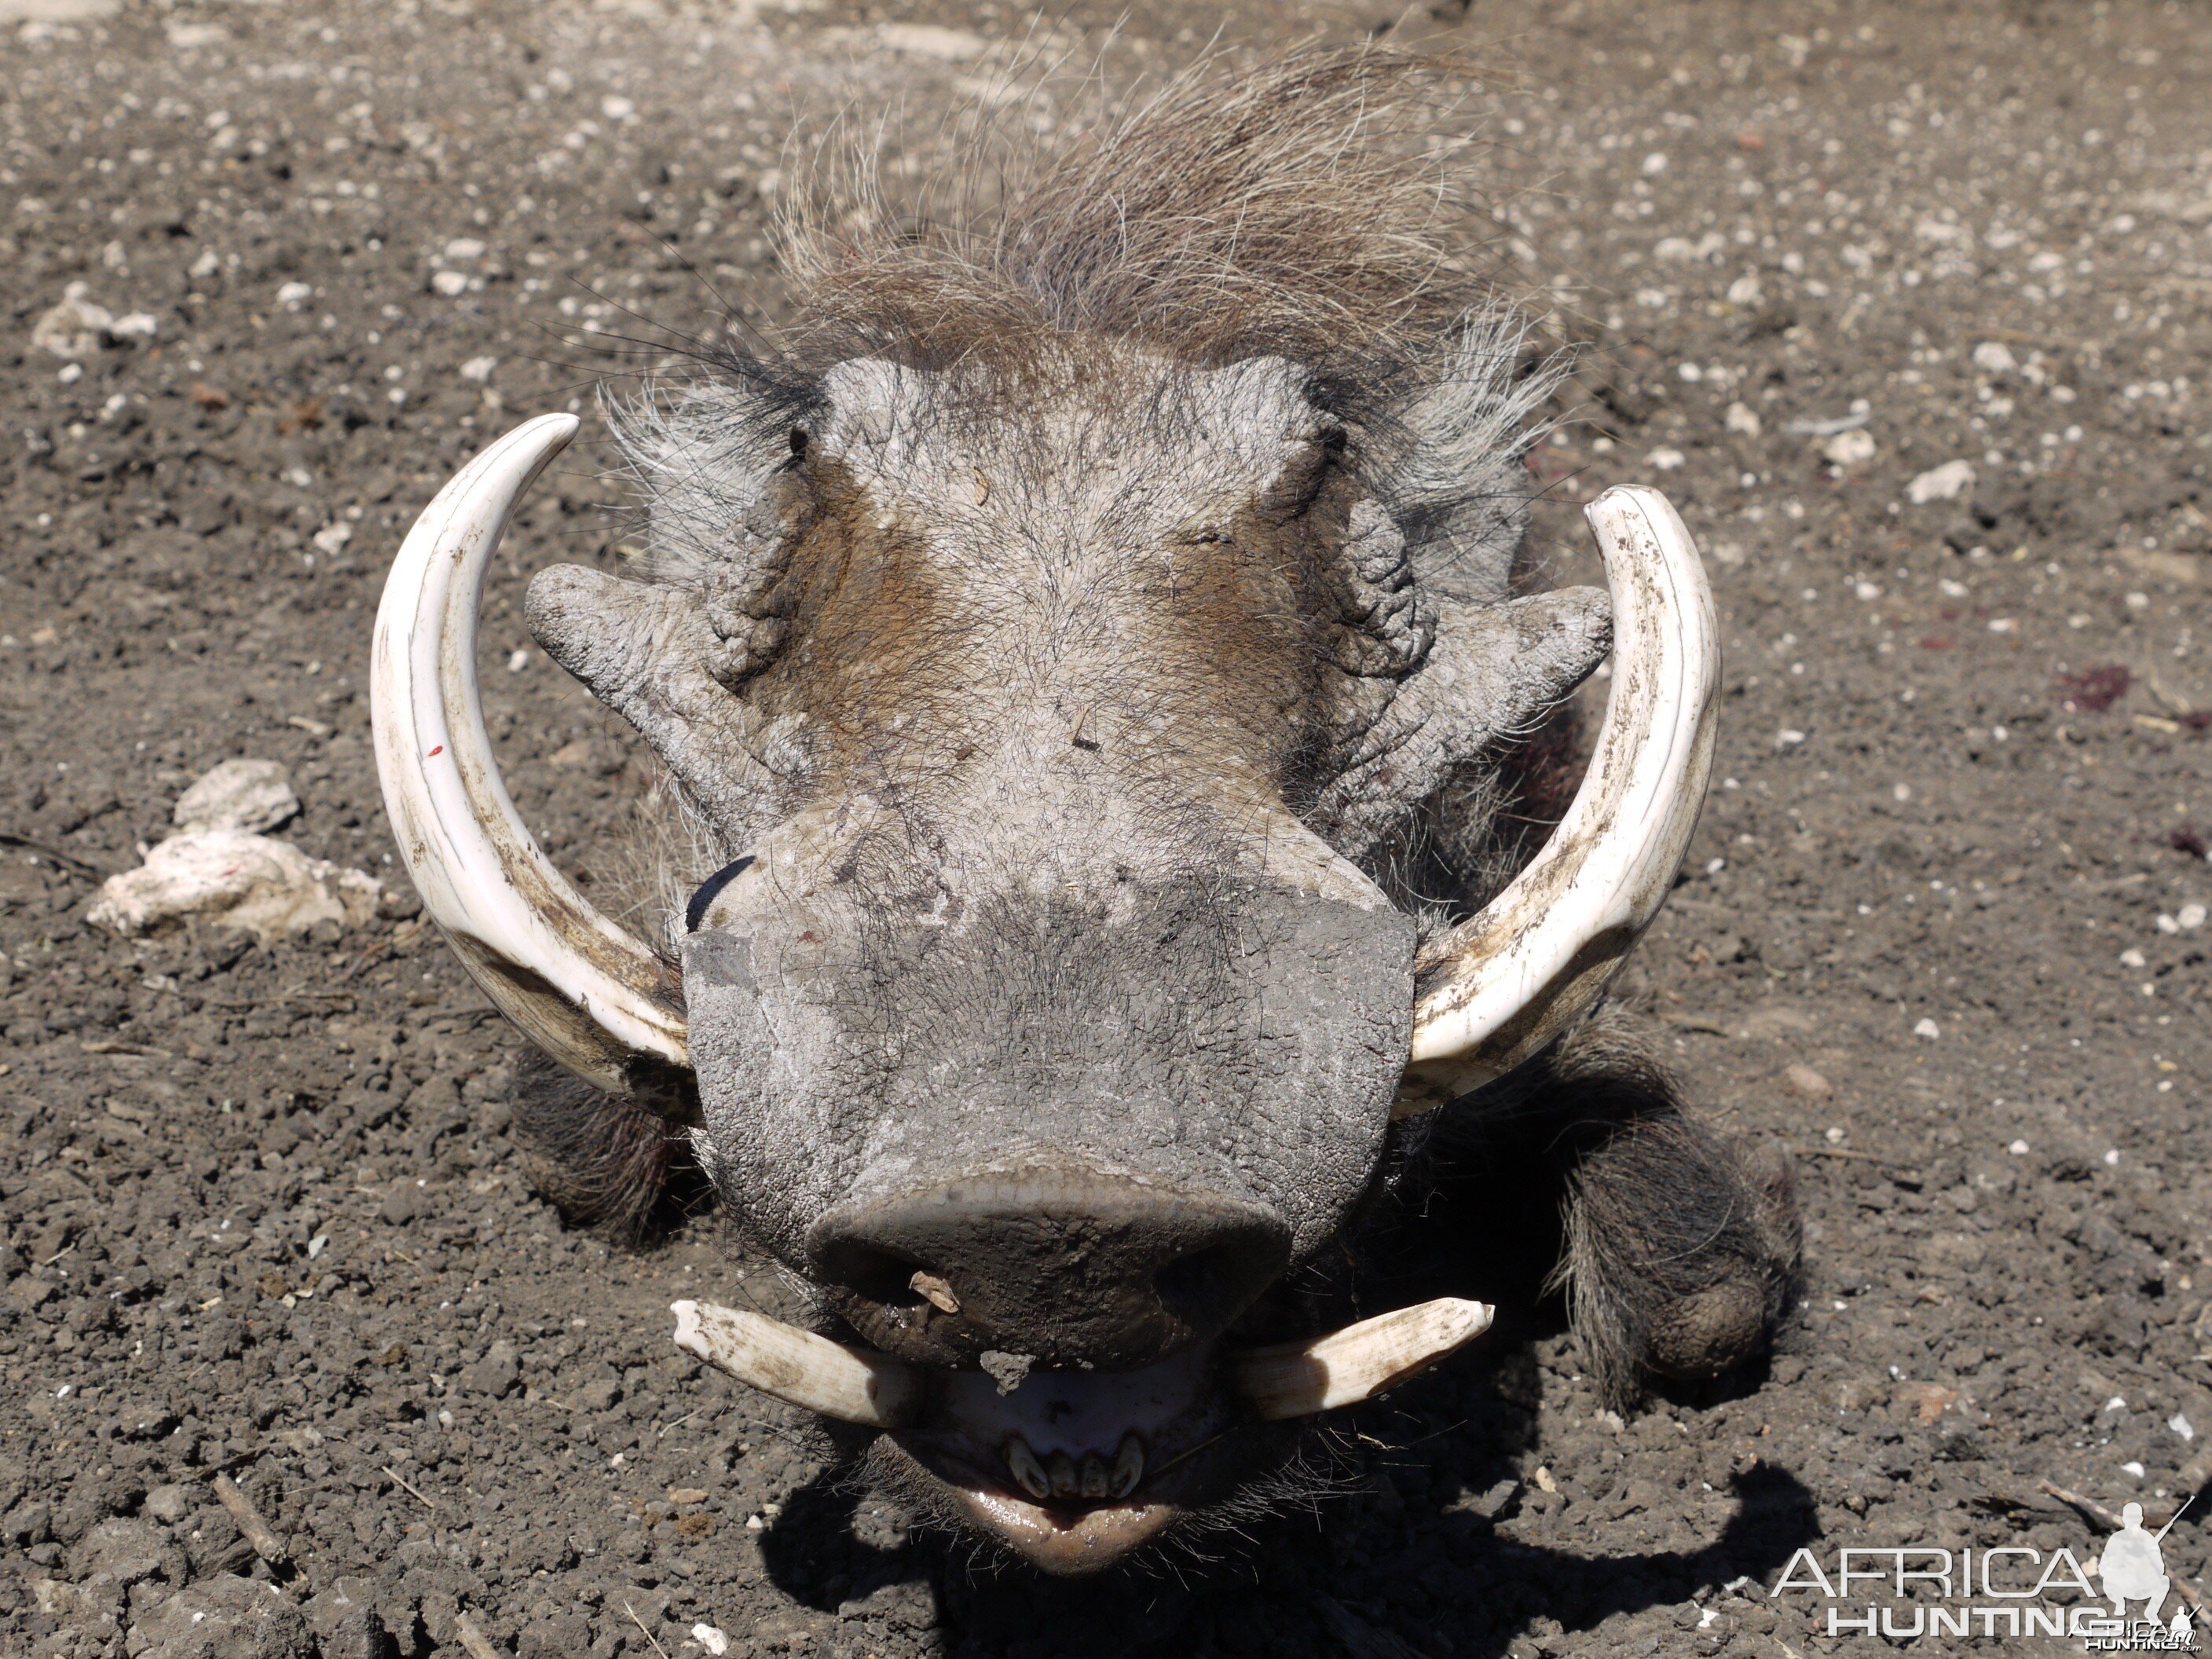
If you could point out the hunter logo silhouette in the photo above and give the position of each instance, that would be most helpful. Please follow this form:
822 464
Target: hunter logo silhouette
2134 1567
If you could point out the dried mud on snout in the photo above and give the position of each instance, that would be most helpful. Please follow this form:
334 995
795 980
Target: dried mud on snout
1943 931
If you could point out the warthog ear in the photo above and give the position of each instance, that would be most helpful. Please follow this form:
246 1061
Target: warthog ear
1449 663
648 651
720 471
1457 485
1492 674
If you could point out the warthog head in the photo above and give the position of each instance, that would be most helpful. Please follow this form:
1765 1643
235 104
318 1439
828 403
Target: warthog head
1062 649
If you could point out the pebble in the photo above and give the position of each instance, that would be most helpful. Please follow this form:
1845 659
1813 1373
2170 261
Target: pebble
75 327
1849 448
1805 1083
1941 483
1928 1027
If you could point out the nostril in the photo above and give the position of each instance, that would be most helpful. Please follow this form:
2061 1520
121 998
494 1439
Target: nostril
1191 1285
1069 1266
884 1277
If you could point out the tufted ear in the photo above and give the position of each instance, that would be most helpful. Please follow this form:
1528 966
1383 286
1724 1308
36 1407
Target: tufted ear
1457 487
668 648
1492 674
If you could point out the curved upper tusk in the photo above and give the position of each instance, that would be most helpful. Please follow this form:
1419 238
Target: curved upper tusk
1507 980
588 992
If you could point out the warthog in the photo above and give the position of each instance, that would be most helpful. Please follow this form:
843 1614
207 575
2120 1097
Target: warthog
1096 652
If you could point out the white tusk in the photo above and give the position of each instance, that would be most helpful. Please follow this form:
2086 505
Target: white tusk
1507 980
850 1384
1358 1361
588 992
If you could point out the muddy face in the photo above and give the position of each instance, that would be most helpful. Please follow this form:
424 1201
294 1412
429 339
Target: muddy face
1043 1039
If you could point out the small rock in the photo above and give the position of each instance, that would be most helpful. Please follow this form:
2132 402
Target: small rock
251 795
931 40
223 1617
1850 448
603 1394
1492 1503
495 1374
1995 357
254 882
75 328
402 1204
1928 1400
344 1616
1941 483
1743 417
171 1503
1805 1083
122 1550
712 1639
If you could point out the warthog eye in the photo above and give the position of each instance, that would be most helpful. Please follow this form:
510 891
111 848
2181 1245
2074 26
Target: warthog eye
696 912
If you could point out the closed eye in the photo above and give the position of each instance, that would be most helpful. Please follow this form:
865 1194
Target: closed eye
710 889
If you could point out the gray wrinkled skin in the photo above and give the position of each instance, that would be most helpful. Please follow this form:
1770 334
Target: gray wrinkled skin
1056 727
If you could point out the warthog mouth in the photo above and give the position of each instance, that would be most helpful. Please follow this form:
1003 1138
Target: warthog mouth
1073 1470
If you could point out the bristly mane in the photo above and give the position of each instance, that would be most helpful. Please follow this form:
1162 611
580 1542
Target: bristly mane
1296 211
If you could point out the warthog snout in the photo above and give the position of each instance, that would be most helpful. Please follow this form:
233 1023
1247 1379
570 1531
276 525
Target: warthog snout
1063 1263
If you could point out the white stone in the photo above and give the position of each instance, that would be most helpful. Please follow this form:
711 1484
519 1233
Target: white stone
1941 483
470 247
1743 417
1664 460
478 369
2191 917
710 1639
1928 1027
333 536
74 328
931 40
248 881
450 282
57 11
293 296
239 794
1850 448
1995 357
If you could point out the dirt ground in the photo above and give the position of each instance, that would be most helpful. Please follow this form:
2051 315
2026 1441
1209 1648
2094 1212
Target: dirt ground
263 1219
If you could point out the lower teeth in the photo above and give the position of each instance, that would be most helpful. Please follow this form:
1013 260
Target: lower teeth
1063 1476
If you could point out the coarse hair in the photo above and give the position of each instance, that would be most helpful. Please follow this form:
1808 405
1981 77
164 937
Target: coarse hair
1302 209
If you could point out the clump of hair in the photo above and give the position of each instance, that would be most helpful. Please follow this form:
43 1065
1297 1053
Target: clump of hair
613 1166
1296 210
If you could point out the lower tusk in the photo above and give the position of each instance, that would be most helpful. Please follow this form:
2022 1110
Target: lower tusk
796 1366
1358 1361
